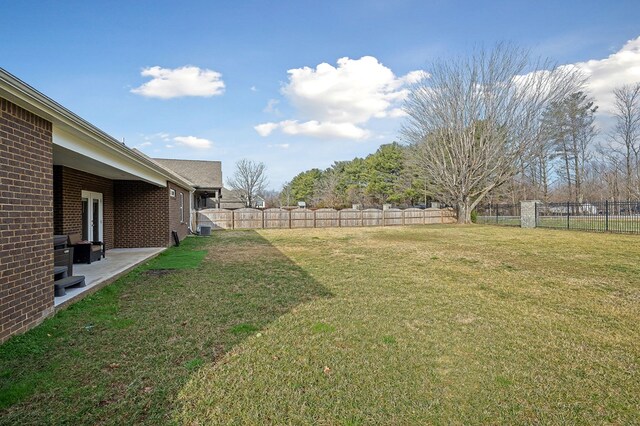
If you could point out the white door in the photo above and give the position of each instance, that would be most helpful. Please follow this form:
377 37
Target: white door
91 216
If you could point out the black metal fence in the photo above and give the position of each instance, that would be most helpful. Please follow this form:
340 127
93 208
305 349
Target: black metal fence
604 216
498 214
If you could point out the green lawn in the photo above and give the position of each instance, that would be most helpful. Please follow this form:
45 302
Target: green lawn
397 325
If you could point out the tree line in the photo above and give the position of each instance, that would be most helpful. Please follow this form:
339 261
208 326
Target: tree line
496 126
576 161
380 178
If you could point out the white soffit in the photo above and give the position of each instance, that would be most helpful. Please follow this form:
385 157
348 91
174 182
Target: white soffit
78 153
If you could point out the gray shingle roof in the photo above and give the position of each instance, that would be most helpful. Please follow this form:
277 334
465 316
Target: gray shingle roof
231 200
203 174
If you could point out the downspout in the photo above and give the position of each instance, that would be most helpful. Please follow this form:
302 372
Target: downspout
192 195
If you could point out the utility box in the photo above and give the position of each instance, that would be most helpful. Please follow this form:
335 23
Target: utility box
205 230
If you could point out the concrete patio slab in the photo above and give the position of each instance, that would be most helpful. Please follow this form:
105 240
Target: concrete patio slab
98 274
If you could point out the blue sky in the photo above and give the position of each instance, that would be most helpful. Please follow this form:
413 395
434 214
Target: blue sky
217 86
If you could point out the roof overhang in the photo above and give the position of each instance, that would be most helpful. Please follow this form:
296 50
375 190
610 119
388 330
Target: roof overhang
79 144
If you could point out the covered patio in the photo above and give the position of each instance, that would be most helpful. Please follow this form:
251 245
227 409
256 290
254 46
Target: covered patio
98 274
61 175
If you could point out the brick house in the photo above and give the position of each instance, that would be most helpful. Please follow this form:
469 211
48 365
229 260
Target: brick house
209 191
205 176
60 174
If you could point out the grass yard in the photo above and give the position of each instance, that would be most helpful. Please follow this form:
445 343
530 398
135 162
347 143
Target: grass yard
407 325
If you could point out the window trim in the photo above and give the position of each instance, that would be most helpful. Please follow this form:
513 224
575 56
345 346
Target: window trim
182 207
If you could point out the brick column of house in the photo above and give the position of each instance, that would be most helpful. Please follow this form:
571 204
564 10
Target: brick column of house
26 219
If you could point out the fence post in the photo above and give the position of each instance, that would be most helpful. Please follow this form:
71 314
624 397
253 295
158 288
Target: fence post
424 216
568 213
528 213
497 209
383 221
403 212
362 218
314 218
264 225
233 219
606 215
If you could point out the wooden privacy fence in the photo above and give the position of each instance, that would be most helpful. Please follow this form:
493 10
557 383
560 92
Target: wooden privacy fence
321 218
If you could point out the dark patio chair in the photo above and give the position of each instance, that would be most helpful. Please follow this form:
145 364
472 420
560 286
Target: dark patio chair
86 251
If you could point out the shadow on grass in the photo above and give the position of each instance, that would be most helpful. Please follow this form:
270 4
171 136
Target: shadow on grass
121 355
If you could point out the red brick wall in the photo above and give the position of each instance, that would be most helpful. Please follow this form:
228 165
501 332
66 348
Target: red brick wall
145 214
141 216
175 223
68 185
26 220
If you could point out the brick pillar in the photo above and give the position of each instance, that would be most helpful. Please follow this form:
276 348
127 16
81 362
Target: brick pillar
528 213
26 219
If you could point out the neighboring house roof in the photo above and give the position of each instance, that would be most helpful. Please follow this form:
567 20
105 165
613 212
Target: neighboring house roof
203 174
231 200
165 168
86 139
230 194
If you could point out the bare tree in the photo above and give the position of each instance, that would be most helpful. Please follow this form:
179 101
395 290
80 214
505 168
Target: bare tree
248 180
285 194
326 192
271 199
541 168
569 128
555 137
474 121
626 134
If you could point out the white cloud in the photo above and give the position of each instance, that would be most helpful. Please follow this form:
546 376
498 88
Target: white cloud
265 129
192 142
415 76
151 139
337 102
326 129
156 136
169 83
621 67
253 88
272 106
397 112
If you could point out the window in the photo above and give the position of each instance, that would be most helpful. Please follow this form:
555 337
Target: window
181 206
172 193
